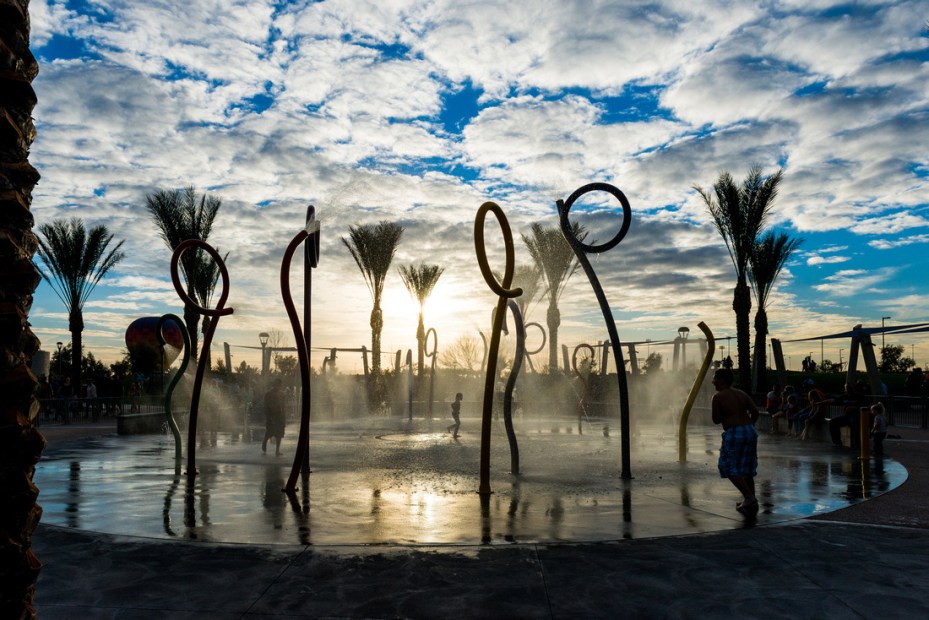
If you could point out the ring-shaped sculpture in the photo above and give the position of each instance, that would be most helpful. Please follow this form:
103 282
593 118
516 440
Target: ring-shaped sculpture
504 292
511 384
310 235
581 403
169 414
218 311
581 250
529 353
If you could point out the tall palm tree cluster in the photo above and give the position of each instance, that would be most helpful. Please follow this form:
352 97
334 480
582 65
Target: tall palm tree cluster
419 281
20 442
555 262
739 213
76 261
373 247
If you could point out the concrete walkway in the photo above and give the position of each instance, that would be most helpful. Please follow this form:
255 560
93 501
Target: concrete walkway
866 561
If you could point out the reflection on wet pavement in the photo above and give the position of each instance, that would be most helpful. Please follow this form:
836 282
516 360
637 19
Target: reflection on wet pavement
382 481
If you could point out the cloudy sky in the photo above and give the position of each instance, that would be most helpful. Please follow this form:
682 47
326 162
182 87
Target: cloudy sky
418 112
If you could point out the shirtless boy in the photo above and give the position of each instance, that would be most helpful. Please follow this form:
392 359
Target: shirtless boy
738 454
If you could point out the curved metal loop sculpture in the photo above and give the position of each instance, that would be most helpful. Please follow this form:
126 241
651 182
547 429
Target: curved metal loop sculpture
504 292
218 311
310 235
581 250
511 384
169 414
529 353
582 401
435 349
694 390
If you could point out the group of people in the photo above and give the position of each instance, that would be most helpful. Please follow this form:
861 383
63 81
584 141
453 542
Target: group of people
737 413
801 412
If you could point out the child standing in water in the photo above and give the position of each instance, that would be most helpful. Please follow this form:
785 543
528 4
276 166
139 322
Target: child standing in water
879 429
456 413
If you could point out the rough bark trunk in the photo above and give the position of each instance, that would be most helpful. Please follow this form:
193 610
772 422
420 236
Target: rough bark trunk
760 376
20 443
553 319
742 305
76 327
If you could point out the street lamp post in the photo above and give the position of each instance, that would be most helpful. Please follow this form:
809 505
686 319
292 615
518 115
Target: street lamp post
883 318
59 359
682 333
840 359
263 338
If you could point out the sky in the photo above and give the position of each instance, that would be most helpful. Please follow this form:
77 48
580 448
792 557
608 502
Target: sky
418 112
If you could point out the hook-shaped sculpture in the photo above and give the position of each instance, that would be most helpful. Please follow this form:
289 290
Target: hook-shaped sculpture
218 311
169 414
310 235
581 250
581 403
694 390
503 291
511 384
435 348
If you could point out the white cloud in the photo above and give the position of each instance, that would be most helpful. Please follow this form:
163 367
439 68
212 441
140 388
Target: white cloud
339 104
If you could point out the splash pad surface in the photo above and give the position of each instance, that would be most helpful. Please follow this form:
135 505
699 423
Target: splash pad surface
383 480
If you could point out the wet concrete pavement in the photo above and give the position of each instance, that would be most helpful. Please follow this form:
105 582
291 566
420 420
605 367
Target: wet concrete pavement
665 545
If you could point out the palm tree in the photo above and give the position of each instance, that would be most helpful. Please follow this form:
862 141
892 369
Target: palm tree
528 278
206 280
739 214
767 259
21 443
373 247
180 216
76 261
555 260
419 281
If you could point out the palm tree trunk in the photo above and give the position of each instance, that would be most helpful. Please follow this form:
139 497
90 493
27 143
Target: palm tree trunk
553 318
760 377
192 319
21 443
377 324
76 327
421 345
742 305
204 327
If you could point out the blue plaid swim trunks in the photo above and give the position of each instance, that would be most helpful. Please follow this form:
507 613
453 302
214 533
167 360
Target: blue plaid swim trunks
738 454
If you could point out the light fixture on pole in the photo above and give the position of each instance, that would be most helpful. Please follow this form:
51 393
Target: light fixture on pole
263 338
59 358
840 359
883 318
